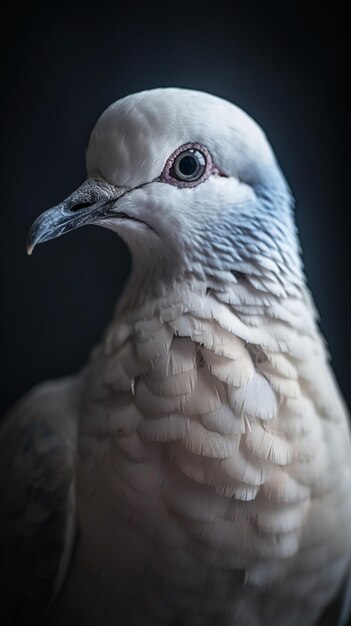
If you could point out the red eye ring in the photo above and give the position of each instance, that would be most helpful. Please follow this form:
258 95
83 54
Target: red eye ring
178 171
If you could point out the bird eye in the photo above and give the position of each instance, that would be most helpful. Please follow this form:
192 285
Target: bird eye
188 165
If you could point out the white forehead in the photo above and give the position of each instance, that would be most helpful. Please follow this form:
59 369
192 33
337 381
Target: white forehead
134 137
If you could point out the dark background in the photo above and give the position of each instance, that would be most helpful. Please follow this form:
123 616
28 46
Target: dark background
281 62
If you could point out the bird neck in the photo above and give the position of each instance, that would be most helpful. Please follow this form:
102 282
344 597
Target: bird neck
190 364
266 323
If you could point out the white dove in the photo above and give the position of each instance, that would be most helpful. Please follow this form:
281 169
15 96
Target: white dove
198 470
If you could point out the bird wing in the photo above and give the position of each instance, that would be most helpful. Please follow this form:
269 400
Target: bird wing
345 610
338 612
37 504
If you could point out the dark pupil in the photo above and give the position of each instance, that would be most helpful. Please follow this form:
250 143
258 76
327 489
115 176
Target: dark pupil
187 165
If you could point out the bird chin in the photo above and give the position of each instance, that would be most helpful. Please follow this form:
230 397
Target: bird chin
122 223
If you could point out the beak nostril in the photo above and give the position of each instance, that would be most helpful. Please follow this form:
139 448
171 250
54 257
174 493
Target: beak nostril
89 204
79 206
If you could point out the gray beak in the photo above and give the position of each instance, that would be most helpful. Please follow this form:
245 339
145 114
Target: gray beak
90 203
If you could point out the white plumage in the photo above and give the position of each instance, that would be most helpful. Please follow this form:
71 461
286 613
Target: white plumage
204 452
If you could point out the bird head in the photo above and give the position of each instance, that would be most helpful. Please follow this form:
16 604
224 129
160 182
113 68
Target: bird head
190 182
